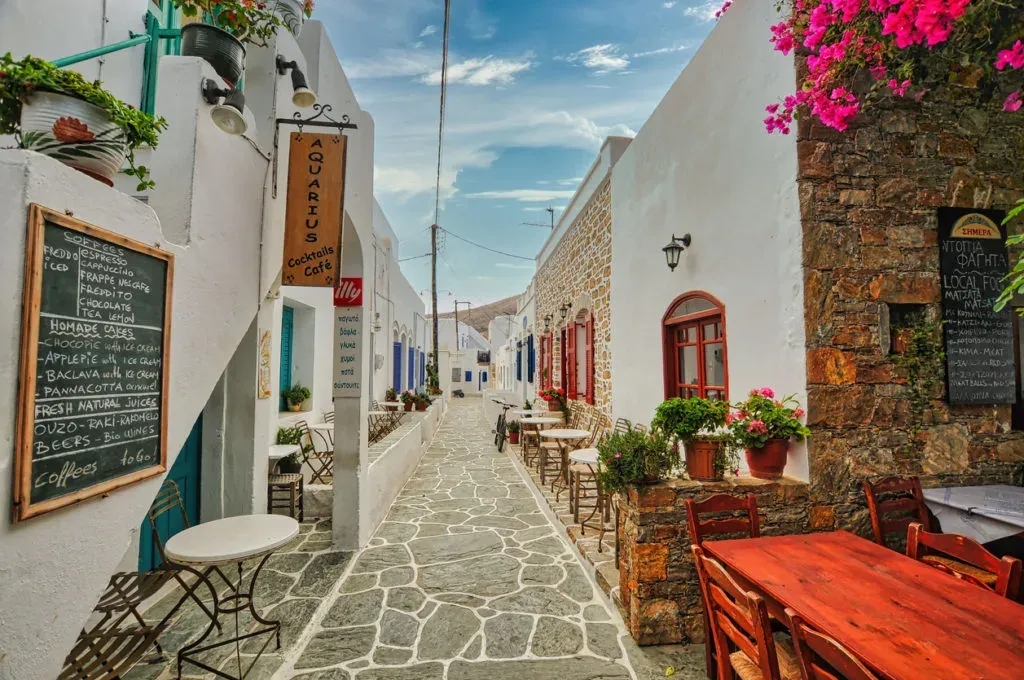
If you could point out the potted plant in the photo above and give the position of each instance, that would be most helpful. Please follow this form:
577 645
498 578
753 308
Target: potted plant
292 463
513 431
295 396
391 394
60 114
527 405
764 425
408 399
422 402
633 458
293 13
219 29
699 424
555 399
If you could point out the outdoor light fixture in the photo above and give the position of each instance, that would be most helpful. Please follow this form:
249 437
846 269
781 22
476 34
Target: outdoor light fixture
674 249
564 309
229 114
547 323
376 322
302 96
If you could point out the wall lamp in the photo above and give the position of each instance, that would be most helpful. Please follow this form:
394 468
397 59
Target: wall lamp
674 249
547 323
564 309
228 111
376 323
302 96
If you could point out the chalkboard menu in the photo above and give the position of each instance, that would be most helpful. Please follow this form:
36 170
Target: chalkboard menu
979 341
92 408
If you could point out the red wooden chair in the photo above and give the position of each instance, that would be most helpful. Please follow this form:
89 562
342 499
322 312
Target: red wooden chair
821 657
965 559
748 524
895 502
740 619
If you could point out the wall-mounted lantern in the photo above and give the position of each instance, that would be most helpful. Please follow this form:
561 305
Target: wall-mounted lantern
674 249
376 322
565 309
547 323
228 112
302 96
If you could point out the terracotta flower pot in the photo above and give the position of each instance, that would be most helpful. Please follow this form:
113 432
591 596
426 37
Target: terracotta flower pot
408 406
223 51
553 405
420 406
769 461
700 460
74 132
293 407
513 437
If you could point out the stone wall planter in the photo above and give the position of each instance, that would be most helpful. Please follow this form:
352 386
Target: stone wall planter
223 51
75 133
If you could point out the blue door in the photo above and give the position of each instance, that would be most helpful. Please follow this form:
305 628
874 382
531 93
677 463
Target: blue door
397 369
423 369
412 368
287 332
184 473
482 380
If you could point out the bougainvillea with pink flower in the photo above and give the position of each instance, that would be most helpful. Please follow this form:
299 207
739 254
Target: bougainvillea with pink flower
860 50
762 417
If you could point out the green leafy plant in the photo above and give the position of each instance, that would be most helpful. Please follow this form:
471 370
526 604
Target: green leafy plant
297 394
762 417
558 396
528 405
433 382
631 458
424 399
686 419
292 436
391 394
1016 275
924 365
248 20
408 397
514 427
20 78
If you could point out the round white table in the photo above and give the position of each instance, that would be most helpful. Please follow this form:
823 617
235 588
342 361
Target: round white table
533 412
541 421
392 404
535 423
585 456
279 451
590 458
563 436
231 540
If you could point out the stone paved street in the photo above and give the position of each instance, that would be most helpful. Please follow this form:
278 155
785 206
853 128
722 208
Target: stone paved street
467 579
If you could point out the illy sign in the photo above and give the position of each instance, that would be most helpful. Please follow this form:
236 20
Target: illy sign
349 293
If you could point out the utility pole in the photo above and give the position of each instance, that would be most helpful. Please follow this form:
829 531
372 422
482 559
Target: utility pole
552 211
433 290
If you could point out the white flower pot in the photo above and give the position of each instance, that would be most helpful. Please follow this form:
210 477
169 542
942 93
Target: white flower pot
291 14
74 132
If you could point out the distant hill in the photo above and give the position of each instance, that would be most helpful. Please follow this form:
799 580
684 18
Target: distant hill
480 317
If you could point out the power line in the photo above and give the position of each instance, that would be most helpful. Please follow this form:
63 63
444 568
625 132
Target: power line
499 252
415 257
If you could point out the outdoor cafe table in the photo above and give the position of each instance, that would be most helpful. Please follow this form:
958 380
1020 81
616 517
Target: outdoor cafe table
903 618
540 413
536 423
320 429
279 451
984 513
563 436
231 540
392 404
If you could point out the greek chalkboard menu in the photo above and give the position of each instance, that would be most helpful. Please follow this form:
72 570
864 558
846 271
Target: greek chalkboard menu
95 335
979 341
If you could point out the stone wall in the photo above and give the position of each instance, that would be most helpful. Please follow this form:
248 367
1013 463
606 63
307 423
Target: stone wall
579 271
868 204
658 590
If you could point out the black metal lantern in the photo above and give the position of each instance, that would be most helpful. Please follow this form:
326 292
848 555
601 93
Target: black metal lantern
674 249
547 323
564 309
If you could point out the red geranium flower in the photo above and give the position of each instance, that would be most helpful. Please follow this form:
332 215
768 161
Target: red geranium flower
561 392
547 397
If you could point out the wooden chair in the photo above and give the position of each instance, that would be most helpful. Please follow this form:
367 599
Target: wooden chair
965 559
895 502
717 525
286 492
321 462
821 657
640 427
741 629
583 484
622 426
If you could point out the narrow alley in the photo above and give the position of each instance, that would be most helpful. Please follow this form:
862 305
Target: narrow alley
466 579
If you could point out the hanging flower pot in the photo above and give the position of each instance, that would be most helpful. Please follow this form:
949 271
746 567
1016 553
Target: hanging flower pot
700 460
293 13
74 132
769 461
223 51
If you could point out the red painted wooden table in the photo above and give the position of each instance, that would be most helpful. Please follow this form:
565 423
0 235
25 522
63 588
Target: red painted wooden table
903 618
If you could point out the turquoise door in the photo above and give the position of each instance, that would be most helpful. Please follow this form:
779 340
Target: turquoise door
184 473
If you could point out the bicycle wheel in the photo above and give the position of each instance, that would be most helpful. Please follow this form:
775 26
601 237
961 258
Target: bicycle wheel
501 433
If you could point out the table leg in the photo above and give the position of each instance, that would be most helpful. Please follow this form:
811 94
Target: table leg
232 604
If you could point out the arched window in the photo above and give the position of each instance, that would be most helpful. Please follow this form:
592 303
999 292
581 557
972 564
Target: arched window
695 359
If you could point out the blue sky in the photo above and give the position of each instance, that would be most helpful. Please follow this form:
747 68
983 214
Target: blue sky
534 88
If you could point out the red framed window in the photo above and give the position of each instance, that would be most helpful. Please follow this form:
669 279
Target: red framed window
695 359
578 358
547 361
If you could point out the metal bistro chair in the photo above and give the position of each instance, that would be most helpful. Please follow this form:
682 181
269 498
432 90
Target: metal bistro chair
321 462
583 478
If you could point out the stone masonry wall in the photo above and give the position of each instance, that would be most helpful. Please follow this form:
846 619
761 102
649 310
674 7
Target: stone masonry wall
658 589
868 202
580 269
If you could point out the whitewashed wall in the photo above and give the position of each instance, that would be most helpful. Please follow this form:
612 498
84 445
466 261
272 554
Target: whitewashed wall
703 164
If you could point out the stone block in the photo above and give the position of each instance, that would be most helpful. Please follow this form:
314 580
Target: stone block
830 366
822 517
650 561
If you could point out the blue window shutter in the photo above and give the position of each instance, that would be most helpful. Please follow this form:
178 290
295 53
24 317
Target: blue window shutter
519 361
397 370
531 359
469 376
412 368
423 369
287 332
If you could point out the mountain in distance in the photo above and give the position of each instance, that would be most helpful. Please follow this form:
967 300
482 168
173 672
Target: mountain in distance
480 317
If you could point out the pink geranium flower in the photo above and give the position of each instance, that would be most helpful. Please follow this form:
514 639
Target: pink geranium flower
757 427
799 413
767 392
1013 102
1013 57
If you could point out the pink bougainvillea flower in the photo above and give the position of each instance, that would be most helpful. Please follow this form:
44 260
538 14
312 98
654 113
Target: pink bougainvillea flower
899 89
1013 57
767 392
725 8
618 455
1013 102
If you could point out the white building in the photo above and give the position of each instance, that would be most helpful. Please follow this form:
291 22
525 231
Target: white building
470 357
516 358
218 210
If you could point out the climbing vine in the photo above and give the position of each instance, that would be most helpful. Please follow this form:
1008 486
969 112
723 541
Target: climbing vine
923 363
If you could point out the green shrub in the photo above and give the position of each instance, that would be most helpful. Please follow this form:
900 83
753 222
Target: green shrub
632 458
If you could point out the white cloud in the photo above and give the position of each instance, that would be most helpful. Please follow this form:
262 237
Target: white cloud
525 195
573 128
515 265
704 12
479 72
663 50
669 5
408 182
604 58
429 30
393 63
571 182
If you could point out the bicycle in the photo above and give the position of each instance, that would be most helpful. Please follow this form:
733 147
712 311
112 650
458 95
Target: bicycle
500 430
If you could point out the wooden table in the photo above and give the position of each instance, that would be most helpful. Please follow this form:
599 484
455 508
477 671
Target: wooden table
904 619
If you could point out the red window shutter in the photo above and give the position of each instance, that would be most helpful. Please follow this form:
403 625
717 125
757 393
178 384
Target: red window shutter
563 381
571 389
590 358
